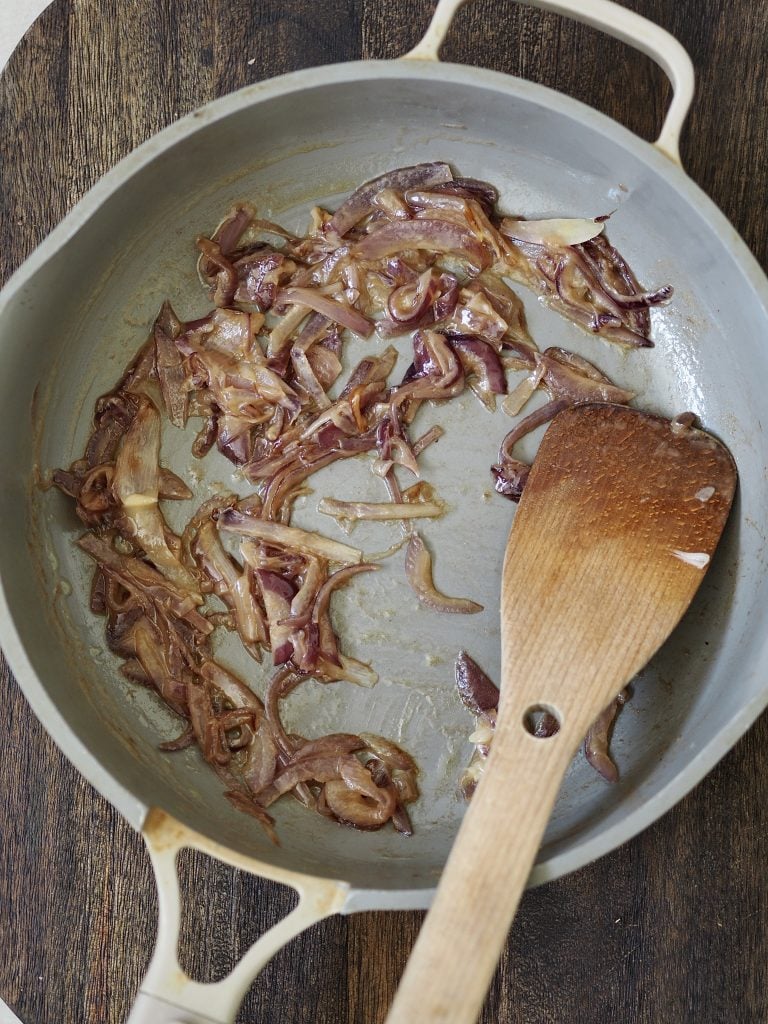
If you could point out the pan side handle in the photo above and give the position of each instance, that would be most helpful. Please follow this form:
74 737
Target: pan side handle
631 28
167 994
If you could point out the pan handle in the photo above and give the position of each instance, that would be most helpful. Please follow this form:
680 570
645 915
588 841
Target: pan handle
168 995
617 21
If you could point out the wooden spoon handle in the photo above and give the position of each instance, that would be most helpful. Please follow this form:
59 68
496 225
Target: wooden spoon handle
451 966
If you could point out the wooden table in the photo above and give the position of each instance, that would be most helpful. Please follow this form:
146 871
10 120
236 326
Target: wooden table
671 928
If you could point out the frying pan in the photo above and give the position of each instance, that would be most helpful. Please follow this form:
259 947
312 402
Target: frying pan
126 247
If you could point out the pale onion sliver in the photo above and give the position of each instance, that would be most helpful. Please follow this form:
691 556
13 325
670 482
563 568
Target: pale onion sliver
379 510
291 537
418 571
559 231
517 399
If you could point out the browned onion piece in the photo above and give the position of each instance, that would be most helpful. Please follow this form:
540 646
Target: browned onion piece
260 273
438 372
418 569
485 194
554 233
390 203
172 487
570 377
233 584
140 578
154 657
114 414
209 510
290 537
430 235
510 474
277 594
223 278
356 800
479 358
170 366
393 757
249 805
510 477
318 768
258 755
591 284
333 743
338 312
136 487
314 329
415 248
360 203
596 744
229 231
183 741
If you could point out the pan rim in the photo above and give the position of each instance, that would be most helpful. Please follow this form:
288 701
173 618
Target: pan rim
46 710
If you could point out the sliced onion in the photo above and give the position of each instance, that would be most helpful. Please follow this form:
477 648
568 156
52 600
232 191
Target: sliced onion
517 399
170 366
429 235
136 486
391 203
482 192
171 487
338 312
479 358
571 377
510 477
418 569
555 232
596 744
138 577
394 757
284 328
350 670
290 537
477 691
360 203
354 511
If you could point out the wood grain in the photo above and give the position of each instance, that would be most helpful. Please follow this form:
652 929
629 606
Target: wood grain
673 927
589 530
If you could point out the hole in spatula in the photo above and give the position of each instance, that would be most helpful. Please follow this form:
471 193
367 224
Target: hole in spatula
541 721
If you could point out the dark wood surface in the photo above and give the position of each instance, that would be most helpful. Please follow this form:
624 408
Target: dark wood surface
673 927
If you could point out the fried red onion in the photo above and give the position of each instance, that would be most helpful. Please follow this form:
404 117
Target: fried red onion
435 236
170 366
481 696
418 570
482 192
360 203
427 300
591 284
597 742
136 485
291 537
234 585
553 233
479 359
338 312
477 691
354 511
414 248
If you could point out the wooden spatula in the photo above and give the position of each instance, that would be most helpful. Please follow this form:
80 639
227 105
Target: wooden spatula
616 527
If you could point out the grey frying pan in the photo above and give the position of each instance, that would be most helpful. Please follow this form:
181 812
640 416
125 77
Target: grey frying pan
329 129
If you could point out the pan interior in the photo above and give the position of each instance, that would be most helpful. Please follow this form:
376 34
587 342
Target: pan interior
70 330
